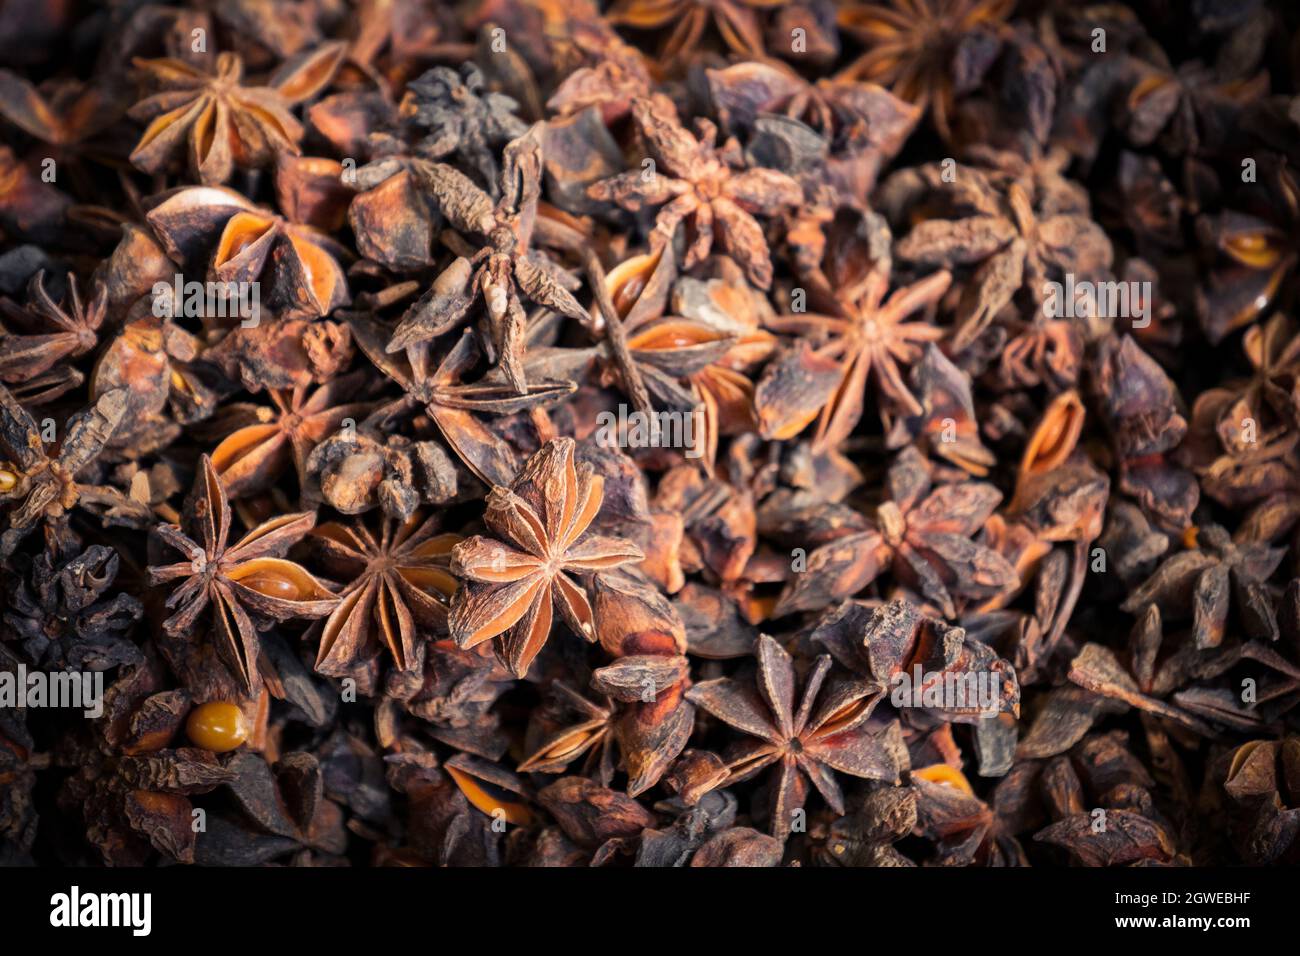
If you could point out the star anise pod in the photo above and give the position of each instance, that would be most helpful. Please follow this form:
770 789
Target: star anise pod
823 730
252 457
1202 583
129 786
1042 351
465 120
63 610
455 693
513 582
923 534
139 803
218 121
1244 434
302 263
648 677
1133 680
1273 389
1135 830
399 586
251 575
691 365
864 125
865 836
1143 410
713 363
44 335
619 75
500 272
869 338
883 643
841 110
454 405
156 364
1017 219
395 38
1190 108
454 806
63 114
282 808
948 426
735 21
36 484
1263 780
705 185
1256 250
927 52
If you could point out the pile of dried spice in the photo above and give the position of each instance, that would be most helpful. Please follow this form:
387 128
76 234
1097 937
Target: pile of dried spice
656 433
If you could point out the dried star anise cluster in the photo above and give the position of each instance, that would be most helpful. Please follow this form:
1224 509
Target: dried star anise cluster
688 433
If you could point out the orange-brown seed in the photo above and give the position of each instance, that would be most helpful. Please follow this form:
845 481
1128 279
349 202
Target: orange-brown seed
217 726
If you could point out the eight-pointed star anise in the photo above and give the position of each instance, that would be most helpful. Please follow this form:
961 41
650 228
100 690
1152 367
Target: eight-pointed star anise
250 575
867 333
36 343
926 51
506 267
924 535
1017 219
1202 582
705 185
511 585
252 457
824 730
399 587
219 122
454 405
736 21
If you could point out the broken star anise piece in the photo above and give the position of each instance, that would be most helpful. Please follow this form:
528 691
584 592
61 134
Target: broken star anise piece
592 734
735 21
926 52
40 485
250 575
302 263
511 585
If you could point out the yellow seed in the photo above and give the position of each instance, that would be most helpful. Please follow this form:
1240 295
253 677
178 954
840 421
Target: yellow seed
217 726
8 480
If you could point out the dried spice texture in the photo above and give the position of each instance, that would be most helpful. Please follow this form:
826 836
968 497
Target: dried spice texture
666 433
